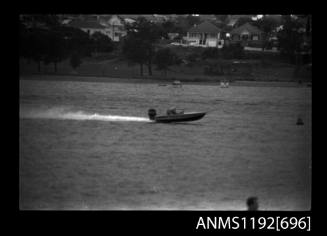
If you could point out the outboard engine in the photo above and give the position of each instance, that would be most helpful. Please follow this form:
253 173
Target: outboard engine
152 113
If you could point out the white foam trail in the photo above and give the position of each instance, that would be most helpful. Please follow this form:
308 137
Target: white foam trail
80 115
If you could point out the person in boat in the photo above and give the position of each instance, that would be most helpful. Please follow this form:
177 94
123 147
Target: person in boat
173 111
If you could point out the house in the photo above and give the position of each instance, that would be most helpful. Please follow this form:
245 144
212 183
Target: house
246 33
112 26
205 34
115 26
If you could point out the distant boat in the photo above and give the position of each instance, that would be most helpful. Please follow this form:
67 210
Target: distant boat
177 83
224 84
179 117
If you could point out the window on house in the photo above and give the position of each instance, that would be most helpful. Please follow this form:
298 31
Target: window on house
245 36
255 37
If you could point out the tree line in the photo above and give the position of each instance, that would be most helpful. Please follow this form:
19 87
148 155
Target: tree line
44 39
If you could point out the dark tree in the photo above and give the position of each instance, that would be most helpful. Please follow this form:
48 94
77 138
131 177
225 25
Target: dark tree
75 60
134 50
101 42
222 18
57 50
77 41
33 44
290 37
24 41
167 27
44 39
243 20
164 58
183 24
33 30
139 44
267 25
40 20
192 20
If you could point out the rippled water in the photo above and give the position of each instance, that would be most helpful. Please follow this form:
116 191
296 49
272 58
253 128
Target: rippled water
91 146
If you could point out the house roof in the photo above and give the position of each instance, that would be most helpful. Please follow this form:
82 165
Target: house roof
105 17
232 22
205 27
120 17
86 24
247 26
134 17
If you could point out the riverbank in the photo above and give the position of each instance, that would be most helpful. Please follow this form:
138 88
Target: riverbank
119 70
159 81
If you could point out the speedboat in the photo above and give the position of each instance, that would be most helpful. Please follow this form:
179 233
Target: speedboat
178 117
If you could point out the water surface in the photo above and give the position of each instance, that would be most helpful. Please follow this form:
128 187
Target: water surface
90 145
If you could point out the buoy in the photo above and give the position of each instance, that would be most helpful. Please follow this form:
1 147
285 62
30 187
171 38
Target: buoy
299 122
252 203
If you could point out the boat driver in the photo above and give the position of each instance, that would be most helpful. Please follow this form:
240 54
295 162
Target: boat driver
172 111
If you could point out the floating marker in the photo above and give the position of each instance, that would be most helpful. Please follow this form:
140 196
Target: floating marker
299 122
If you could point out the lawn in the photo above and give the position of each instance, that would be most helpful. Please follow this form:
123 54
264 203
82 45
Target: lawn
262 70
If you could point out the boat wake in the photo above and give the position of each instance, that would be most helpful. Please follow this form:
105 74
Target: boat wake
59 113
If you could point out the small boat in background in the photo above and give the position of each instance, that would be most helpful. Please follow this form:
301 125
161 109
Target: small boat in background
224 84
178 117
177 83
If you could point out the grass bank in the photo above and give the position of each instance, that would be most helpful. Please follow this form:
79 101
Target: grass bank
119 70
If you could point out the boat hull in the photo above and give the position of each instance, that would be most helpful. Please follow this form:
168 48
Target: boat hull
180 117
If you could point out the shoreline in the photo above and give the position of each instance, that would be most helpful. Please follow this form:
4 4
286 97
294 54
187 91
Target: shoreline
159 81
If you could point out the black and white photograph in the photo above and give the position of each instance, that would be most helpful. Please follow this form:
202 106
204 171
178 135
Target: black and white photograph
186 112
